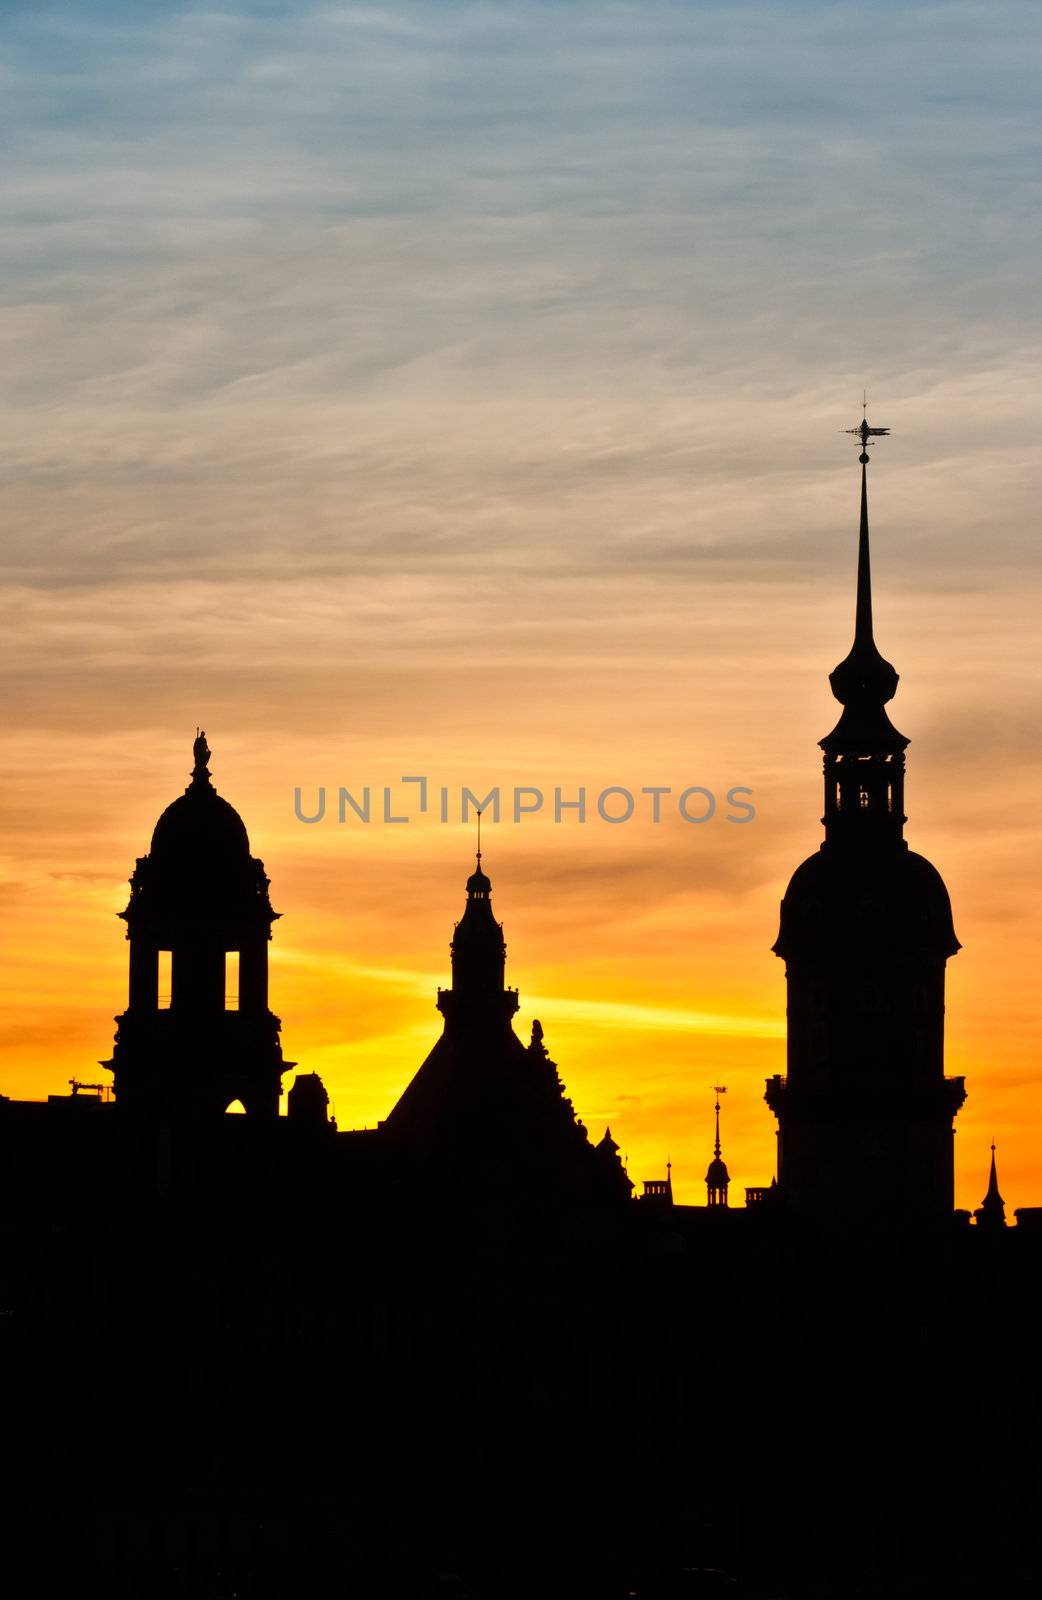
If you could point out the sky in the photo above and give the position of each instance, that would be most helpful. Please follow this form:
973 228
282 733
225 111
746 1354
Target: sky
459 390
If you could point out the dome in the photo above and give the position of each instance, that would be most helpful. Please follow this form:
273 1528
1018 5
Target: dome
199 857
893 898
717 1177
199 826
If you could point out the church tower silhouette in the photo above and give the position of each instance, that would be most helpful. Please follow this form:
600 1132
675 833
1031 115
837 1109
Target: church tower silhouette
487 1112
453 1100
197 1034
865 1114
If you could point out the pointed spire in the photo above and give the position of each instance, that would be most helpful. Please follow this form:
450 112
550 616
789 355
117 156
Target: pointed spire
863 613
864 753
479 885
993 1179
992 1210
717 1178
864 681
718 1090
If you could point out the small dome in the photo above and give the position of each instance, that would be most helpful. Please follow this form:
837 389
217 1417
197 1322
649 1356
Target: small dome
717 1177
863 678
479 882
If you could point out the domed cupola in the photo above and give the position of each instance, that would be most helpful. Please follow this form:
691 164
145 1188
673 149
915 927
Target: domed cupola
197 1033
199 857
479 885
478 952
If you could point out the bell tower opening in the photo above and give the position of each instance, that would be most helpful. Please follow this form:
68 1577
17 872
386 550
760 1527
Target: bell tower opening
164 979
231 980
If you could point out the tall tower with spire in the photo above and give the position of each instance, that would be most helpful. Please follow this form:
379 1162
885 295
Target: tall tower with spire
718 1179
197 1034
865 1113
450 1103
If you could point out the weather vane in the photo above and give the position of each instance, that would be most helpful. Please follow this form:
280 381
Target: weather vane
865 433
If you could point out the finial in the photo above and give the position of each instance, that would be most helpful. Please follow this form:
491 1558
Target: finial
479 837
718 1090
201 753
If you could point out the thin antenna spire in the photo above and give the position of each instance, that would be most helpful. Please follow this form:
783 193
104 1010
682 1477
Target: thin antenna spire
718 1090
863 615
479 837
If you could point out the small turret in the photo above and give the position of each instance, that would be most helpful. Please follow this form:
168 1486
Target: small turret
717 1178
479 954
991 1213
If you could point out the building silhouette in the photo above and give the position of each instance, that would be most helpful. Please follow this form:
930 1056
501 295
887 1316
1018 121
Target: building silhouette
454 1354
486 1114
865 1112
197 1034
991 1212
717 1177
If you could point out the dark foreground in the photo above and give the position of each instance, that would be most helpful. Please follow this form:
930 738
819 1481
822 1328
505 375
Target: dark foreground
245 1400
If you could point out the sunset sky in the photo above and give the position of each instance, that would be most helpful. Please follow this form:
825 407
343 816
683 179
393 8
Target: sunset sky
459 390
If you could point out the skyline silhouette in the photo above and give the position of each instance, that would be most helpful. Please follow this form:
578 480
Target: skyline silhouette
362 1359
199 922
